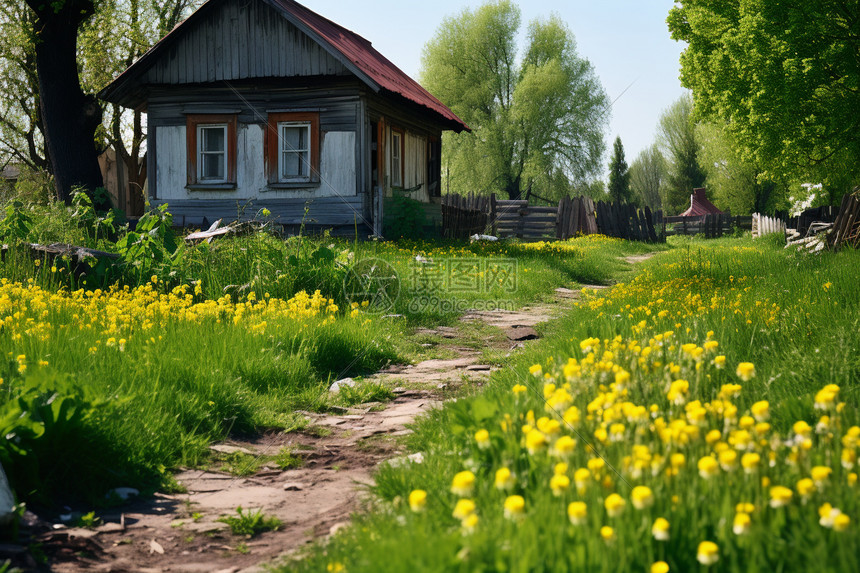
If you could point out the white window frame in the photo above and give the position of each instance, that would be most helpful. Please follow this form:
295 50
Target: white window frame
305 154
201 153
396 159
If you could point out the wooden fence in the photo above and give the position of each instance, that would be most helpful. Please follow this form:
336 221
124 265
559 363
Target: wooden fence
516 218
572 217
711 226
575 217
763 225
846 228
627 222
464 216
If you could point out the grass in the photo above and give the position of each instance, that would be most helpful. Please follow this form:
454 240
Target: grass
712 420
112 378
250 523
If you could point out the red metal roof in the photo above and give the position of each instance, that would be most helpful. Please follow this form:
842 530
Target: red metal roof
699 205
355 52
364 56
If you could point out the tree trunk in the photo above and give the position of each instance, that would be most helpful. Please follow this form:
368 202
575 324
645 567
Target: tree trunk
70 117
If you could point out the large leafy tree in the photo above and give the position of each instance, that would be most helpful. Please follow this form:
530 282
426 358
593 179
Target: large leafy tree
537 116
783 76
115 34
619 174
647 176
69 116
680 145
737 184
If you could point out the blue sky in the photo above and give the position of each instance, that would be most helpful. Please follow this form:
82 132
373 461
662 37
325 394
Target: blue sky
625 40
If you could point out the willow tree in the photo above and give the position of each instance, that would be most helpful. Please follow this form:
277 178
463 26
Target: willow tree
537 115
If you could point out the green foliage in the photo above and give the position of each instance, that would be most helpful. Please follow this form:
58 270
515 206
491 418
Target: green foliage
737 185
537 116
250 522
404 218
47 421
17 223
681 147
364 392
619 175
782 76
152 247
647 177
84 212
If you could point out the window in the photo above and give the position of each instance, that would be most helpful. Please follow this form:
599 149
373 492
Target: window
295 151
396 158
292 148
211 150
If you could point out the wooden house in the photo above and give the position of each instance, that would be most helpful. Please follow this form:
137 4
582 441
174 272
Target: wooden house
256 104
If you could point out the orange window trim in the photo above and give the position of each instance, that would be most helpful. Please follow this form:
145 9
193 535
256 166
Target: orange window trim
192 122
272 147
402 134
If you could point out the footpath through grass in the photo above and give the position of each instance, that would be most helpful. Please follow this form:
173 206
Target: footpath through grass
702 415
115 378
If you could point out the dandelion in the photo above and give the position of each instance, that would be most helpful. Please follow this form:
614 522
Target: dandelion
515 507
761 410
335 567
642 497
614 505
728 460
660 567
504 479
518 389
828 515
564 446
607 534
708 553
470 523
536 370
660 529
780 496
577 512
750 462
418 500
821 475
841 522
746 371
463 484
482 438
720 362
741 524
535 441
825 399
708 467
581 478
464 508
559 484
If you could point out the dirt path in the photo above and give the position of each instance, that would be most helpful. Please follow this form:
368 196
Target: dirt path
339 452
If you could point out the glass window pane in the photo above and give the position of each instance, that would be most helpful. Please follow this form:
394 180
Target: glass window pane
294 138
294 165
213 166
213 138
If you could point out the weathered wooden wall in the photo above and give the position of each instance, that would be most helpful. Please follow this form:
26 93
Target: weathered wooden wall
238 41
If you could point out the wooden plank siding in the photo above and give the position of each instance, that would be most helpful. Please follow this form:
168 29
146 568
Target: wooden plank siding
240 41
322 212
